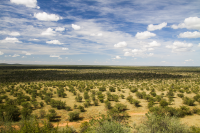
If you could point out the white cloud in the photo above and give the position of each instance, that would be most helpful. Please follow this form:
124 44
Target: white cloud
120 44
153 44
152 27
99 34
26 53
127 50
10 40
118 57
60 29
58 56
189 60
199 45
65 49
187 34
23 56
1 53
54 42
79 60
66 57
27 3
150 49
48 32
144 35
138 51
150 54
189 23
47 17
128 54
180 46
15 55
14 34
76 27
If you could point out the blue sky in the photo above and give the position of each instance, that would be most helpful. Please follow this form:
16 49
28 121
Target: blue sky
100 32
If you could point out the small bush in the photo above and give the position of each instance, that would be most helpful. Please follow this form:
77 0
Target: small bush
108 104
180 95
163 103
82 109
73 116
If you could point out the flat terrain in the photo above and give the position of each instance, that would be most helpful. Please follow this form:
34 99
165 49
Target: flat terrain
115 83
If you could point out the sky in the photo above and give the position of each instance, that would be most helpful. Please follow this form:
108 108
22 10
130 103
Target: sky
100 32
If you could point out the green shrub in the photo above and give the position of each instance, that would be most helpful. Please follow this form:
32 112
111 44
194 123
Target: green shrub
133 90
180 95
103 88
188 101
108 104
82 109
26 113
73 116
112 89
163 103
162 124
79 98
52 114
42 113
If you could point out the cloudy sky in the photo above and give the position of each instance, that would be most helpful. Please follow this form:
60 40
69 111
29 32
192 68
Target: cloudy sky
100 32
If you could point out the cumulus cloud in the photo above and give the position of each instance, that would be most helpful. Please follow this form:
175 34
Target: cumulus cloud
58 56
65 49
10 33
118 57
10 40
189 23
199 45
15 55
127 50
150 49
48 32
76 27
1 53
14 34
150 54
153 44
120 44
144 35
99 34
152 27
189 60
26 53
187 34
27 3
47 17
128 54
60 29
54 42
180 46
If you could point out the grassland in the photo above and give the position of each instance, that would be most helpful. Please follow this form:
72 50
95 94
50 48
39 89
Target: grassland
71 88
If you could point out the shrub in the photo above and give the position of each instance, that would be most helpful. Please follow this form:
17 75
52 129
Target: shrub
42 113
133 90
150 104
108 104
103 88
86 95
163 103
26 113
81 108
180 95
112 89
96 103
188 101
52 114
73 116
79 98
136 103
162 124
122 96
41 104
